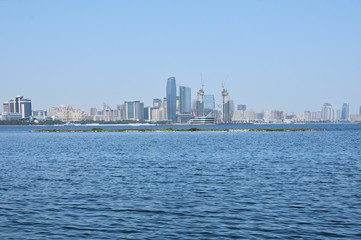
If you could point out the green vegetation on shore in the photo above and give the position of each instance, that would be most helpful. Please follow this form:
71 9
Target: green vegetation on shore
176 130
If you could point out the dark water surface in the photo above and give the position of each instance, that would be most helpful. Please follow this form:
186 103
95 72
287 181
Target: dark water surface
181 185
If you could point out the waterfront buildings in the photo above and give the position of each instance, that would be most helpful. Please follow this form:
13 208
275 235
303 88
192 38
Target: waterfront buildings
175 109
171 94
244 116
19 105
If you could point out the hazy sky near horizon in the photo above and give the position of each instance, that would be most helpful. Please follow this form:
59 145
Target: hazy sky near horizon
285 55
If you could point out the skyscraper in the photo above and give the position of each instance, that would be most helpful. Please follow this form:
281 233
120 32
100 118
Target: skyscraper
200 103
171 99
345 114
185 99
226 106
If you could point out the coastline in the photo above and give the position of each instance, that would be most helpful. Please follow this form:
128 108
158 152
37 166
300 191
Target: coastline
177 130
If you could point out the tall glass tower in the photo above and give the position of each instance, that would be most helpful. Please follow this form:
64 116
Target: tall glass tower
171 99
345 114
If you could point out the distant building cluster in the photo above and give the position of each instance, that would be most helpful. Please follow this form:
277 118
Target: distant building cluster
175 107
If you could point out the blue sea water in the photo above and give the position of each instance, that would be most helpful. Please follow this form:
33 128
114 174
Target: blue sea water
181 185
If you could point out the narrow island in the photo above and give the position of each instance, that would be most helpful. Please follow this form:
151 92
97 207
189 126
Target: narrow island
178 130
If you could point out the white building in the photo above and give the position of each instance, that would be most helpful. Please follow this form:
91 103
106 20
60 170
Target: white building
244 116
66 113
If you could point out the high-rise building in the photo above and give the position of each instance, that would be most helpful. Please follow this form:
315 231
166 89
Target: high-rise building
133 110
200 103
345 114
226 108
185 100
19 105
171 99
360 111
242 107
328 112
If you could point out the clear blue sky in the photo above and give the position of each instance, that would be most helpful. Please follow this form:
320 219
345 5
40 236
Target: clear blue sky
286 55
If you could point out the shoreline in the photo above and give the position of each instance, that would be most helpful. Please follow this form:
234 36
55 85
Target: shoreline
178 130
190 125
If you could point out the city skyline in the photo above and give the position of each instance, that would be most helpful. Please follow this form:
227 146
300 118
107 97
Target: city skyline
175 108
176 95
278 55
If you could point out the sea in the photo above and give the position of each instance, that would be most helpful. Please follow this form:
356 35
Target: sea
181 185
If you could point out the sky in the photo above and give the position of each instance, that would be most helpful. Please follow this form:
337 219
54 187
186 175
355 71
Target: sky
278 55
